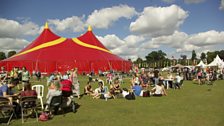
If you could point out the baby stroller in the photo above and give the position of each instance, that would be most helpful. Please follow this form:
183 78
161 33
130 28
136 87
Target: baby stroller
61 103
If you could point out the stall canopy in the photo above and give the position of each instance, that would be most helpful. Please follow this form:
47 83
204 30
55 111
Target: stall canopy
217 62
201 64
50 52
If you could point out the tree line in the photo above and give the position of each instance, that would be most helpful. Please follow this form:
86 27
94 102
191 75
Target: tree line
159 59
4 56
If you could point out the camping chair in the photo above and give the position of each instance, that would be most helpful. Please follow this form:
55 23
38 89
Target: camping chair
40 93
6 110
28 104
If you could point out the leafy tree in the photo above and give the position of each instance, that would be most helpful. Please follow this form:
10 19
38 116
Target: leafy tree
183 59
2 56
203 56
211 56
221 54
194 56
139 60
11 53
155 56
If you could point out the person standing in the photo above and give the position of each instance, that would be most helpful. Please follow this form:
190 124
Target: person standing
156 76
25 77
66 89
75 82
14 75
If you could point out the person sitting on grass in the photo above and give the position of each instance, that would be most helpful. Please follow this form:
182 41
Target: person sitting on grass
136 89
105 95
159 90
117 87
128 94
144 81
88 89
135 79
98 91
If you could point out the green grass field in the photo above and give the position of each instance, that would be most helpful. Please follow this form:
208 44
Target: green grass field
193 105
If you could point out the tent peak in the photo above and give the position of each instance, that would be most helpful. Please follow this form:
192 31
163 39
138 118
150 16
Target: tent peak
46 26
89 28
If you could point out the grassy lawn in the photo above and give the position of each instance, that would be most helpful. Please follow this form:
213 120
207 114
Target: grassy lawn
193 105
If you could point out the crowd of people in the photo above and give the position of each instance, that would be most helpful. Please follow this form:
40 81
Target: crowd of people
207 75
142 84
65 85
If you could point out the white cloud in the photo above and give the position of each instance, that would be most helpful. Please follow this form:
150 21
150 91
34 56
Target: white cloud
207 38
14 29
111 41
132 41
156 21
74 24
150 45
175 40
222 5
193 1
127 48
105 17
12 44
183 42
187 48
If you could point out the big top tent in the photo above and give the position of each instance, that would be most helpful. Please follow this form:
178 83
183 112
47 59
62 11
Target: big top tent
50 52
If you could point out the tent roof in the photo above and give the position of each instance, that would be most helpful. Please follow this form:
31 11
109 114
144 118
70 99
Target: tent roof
51 47
201 64
217 62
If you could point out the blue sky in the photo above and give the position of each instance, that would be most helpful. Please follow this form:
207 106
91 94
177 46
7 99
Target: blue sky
129 28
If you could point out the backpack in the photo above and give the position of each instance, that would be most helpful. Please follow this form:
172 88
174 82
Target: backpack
146 93
130 96
44 116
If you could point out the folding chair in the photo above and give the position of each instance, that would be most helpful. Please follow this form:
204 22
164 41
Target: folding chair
28 106
40 93
6 110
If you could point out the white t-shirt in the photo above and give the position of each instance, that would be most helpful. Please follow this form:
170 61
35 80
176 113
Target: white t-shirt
107 95
124 93
178 79
136 80
159 89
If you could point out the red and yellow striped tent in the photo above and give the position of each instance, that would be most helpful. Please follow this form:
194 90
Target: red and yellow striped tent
50 52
